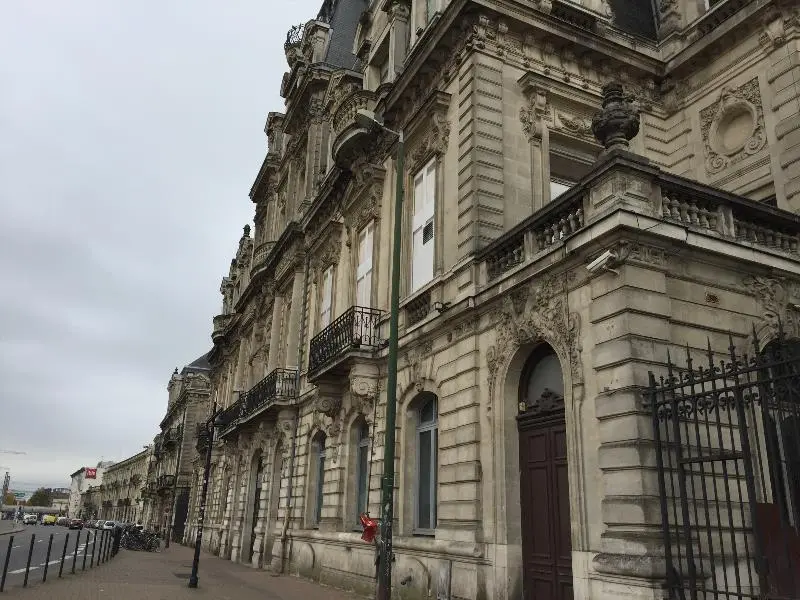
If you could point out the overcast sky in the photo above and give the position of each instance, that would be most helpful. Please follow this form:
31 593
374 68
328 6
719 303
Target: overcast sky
130 133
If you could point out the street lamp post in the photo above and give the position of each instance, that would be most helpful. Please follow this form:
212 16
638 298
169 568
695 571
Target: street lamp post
367 120
210 424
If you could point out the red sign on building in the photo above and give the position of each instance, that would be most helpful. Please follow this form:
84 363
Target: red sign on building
90 473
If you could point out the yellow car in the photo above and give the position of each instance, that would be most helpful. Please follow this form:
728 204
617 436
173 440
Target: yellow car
49 520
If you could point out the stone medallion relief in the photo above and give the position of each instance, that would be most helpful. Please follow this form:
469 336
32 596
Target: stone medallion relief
733 127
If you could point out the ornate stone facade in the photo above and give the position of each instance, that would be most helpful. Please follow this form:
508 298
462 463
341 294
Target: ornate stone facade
548 138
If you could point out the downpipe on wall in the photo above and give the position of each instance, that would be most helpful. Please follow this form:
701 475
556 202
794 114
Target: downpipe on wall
293 453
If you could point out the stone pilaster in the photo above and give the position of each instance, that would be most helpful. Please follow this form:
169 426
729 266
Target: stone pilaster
293 328
275 334
399 15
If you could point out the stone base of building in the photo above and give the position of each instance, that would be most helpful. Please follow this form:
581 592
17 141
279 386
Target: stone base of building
428 568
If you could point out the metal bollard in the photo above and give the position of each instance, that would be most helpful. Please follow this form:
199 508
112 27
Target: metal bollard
5 563
63 555
28 564
75 552
85 551
102 547
94 543
47 560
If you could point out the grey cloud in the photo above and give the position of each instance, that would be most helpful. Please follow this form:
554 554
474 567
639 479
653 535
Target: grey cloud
129 136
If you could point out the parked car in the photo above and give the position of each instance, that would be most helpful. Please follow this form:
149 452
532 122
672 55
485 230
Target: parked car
109 525
75 524
49 520
30 519
62 521
99 524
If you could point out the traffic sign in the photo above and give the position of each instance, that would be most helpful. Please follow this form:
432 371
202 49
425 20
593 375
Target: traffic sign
19 495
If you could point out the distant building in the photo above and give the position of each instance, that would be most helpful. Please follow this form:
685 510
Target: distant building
170 474
119 496
80 481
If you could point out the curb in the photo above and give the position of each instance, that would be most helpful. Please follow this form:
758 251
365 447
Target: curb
12 532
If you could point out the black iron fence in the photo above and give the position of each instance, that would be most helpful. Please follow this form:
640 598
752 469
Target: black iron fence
356 328
727 435
24 559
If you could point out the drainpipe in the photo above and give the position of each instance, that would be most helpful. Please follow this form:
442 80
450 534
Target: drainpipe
293 454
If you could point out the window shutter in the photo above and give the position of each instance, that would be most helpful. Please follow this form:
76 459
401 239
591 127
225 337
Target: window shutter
423 228
326 301
364 270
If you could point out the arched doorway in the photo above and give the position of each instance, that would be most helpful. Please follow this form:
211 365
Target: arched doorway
544 479
274 502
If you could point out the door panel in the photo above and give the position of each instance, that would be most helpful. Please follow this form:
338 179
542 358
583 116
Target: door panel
544 491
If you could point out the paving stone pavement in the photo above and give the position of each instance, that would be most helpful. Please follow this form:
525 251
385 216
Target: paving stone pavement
164 576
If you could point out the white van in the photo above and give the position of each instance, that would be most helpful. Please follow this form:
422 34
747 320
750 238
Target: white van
30 519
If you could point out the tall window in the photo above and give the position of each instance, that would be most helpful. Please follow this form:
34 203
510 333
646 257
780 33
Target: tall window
430 9
364 269
422 226
319 476
362 468
326 298
427 446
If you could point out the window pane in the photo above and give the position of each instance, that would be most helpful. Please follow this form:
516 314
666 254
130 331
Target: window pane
424 487
435 477
427 413
361 496
320 482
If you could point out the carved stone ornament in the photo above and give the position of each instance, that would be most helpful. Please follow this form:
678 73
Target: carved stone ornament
431 136
419 366
534 115
778 298
327 404
733 127
618 122
577 125
532 314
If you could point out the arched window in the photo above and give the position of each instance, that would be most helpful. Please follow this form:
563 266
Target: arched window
361 468
427 450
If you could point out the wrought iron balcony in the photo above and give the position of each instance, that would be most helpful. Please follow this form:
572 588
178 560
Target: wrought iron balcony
166 481
201 435
172 437
280 384
357 328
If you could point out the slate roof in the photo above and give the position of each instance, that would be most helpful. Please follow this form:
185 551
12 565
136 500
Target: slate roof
635 16
198 365
342 16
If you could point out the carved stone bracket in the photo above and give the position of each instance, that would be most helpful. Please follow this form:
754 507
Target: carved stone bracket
430 133
534 115
537 313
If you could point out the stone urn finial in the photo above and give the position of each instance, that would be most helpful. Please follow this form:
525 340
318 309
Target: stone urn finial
618 122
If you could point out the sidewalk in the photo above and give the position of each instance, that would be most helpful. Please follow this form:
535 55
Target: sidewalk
164 576
7 527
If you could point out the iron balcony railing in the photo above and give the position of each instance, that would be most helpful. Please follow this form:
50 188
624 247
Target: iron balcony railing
166 481
279 384
357 327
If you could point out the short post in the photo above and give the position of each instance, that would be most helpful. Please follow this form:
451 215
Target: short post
75 552
63 556
5 563
28 564
94 543
47 560
85 550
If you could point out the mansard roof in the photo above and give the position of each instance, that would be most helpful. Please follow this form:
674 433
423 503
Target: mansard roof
343 16
198 365
635 16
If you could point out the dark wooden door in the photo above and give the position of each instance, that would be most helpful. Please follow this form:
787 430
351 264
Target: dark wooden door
544 496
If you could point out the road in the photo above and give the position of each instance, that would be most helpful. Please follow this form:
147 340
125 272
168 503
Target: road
21 546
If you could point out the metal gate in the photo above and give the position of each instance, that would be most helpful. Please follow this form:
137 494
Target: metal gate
727 437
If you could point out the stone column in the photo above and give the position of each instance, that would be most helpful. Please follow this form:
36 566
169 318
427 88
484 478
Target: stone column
293 328
275 334
240 493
